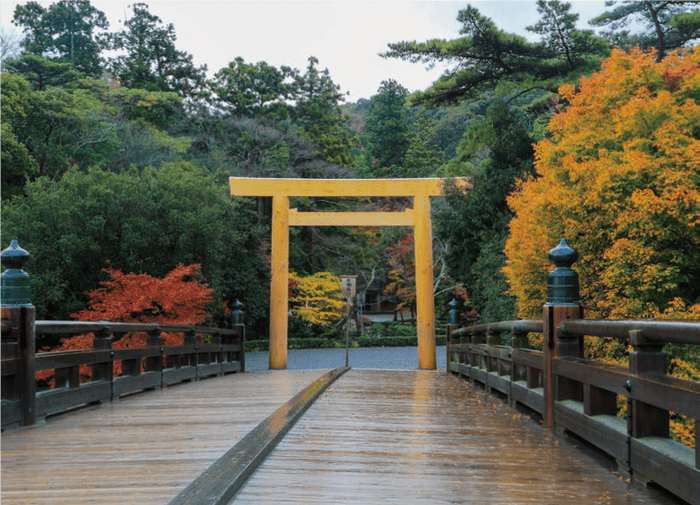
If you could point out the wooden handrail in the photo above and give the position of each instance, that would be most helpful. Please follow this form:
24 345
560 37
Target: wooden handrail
585 391
151 366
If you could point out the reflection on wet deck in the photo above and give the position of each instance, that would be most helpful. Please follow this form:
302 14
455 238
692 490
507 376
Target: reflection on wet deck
372 437
142 449
426 437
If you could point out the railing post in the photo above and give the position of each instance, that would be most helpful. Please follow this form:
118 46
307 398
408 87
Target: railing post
562 303
644 420
104 371
155 363
190 339
238 323
21 314
452 324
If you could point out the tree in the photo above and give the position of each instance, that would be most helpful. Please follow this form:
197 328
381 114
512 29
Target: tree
254 89
557 26
316 299
495 152
65 31
423 155
667 25
486 56
387 128
619 179
18 165
149 59
177 298
143 221
42 72
318 114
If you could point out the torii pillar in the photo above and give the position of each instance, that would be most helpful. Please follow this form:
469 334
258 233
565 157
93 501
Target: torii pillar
283 217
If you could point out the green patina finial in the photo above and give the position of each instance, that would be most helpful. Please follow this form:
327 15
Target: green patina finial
562 282
237 313
15 281
454 313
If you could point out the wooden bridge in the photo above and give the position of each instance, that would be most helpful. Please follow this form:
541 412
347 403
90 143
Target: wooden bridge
373 436
202 431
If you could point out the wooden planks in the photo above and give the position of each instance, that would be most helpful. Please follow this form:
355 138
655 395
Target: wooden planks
427 437
141 449
223 479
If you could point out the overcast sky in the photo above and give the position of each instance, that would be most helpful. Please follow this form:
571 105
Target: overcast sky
346 36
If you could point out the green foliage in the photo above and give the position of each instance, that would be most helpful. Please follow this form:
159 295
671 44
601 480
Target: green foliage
318 114
664 25
42 72
424 154
140 222
379 330
254 89
387 128
65 31
18 165
150 59
486 55
495 152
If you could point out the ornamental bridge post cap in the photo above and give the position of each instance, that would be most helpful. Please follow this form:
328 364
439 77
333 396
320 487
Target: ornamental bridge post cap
454 313
15 281
562 282
237 313
563 255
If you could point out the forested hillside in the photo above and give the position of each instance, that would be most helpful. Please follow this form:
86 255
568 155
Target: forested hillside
116 149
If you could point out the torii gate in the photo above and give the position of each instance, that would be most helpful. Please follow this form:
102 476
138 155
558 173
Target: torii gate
283 217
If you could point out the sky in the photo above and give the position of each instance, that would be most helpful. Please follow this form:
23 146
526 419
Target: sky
345 36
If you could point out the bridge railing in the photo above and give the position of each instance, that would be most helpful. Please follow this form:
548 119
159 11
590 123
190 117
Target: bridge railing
147 367
581 395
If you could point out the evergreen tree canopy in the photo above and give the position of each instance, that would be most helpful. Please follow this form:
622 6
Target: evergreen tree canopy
150 59
318 114
667 25
65 31
387 127
486 55
254 89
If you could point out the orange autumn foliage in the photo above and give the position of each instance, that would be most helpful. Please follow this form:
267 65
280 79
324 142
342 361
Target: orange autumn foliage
178 298
619 177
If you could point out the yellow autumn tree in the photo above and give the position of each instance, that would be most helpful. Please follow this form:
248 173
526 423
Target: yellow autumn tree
619 177
316 299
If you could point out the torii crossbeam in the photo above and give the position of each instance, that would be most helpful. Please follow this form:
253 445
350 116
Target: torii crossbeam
283 217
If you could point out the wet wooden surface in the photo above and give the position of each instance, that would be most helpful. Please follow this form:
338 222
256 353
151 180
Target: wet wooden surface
426 437
141 449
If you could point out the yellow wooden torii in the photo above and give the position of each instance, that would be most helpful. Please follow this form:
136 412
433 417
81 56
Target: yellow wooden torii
283 217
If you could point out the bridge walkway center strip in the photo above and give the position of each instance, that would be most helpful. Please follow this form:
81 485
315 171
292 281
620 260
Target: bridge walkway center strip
221 481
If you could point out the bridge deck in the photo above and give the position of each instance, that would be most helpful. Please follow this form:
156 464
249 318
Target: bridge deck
374 436
143 449
425 437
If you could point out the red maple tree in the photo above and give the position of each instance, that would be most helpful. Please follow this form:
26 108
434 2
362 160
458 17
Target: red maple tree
178 298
